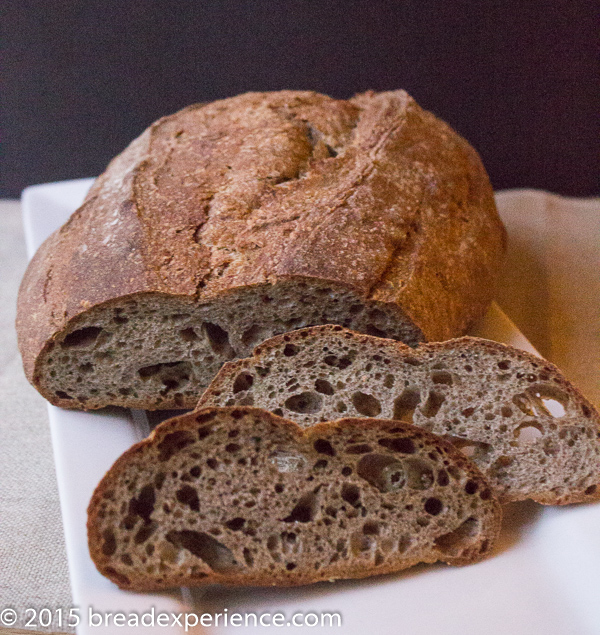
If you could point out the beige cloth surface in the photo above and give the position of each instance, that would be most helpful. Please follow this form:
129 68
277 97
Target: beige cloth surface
33 563
551 282
551 290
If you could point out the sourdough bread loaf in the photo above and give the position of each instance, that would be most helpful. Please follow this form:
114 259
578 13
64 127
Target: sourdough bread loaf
528 429
240 496
229 222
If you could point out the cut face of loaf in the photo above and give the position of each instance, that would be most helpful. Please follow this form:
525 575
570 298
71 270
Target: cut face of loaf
525 426
159 353
241 496
227 223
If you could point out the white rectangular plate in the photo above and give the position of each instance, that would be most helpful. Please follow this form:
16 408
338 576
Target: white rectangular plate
544 579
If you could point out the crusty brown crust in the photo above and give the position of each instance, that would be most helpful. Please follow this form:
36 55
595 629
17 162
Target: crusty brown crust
469 344
481 548
372 194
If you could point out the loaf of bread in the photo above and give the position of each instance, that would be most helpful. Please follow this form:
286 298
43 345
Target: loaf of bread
526 427
229 222
241 496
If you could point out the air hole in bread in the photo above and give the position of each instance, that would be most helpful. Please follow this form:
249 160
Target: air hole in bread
248 557
214 553
371 329
305 509
524 404
360 543
398 444
171 374
273 543
553 400
109 545
242 382
82 337
433 404
252 335
218 339
173 443
119 318
203 432
195 471
389 380
143 505
322 446
61 394
371 528
441 377
126 560
555 408
455 541
235 524
338 362
324 387
290 350
471 486
419 474
187 495
433 506
351 494
383 471
471 449
144 532
366 404
406 404
443 479
359 448
528 432
189 335
304 403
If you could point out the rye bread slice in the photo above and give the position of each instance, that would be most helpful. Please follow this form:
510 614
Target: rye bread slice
240 496
528 429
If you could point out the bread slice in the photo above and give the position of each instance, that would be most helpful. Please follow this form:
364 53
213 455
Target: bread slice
230 222
527 428
243 497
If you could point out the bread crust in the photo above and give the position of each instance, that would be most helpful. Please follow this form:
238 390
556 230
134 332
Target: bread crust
480 549
372 194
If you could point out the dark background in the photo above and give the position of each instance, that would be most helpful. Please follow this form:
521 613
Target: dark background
519 80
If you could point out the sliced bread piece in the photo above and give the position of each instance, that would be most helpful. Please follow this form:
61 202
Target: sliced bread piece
528 429
243 497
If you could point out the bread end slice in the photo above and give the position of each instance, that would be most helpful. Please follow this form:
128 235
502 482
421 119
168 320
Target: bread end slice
240 496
